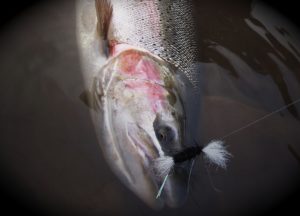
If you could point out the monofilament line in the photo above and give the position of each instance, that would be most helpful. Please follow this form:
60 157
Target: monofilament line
213 151
260 119
189 178
162 186
166 177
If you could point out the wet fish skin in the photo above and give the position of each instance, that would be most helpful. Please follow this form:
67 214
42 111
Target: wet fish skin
164 28
139 93
136 109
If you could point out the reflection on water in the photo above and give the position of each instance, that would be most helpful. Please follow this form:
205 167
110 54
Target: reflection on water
248 67
255 47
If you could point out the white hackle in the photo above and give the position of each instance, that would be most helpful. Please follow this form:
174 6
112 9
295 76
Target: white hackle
216 153
163 165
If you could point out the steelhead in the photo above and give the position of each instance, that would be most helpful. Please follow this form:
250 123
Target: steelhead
149 45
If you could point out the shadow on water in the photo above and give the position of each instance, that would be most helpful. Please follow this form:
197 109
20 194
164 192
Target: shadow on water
249 67
49 154
236 29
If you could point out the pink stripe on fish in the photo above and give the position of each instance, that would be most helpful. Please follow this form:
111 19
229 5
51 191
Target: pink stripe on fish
148 69
136 65
146 75
128 62
156 94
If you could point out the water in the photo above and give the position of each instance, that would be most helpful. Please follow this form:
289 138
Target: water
50 157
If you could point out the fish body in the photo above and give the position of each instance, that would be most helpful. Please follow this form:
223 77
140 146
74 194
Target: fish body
143 118
148 44
164 28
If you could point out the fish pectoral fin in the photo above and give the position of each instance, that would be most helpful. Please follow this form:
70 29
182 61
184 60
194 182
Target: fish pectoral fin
90 100
85 97
93 98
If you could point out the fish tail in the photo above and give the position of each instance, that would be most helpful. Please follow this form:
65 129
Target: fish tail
104 14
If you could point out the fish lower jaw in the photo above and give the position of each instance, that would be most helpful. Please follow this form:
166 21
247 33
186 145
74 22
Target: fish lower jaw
142 151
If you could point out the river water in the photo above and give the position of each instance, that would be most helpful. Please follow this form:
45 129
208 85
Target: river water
249 66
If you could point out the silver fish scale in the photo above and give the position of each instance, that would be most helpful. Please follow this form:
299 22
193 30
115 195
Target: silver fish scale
165 28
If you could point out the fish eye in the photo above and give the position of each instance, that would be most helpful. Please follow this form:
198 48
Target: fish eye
165 134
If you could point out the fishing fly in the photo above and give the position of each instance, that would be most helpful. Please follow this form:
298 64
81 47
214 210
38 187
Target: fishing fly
214 152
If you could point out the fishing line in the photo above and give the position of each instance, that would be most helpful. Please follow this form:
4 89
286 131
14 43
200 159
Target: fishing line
211 182
260 119
166 177
250 124
189 178
214 151
162 186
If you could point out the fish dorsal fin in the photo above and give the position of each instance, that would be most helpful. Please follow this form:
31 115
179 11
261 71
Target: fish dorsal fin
104 13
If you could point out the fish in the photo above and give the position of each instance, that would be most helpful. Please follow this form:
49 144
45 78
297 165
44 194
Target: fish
139 91
143 118
142 57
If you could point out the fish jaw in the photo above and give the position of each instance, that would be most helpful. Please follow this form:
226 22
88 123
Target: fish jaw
135 90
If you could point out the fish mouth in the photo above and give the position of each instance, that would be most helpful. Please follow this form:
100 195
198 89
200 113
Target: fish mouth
131 150
131 147
144 181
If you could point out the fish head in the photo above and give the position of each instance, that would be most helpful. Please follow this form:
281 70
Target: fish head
143 119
